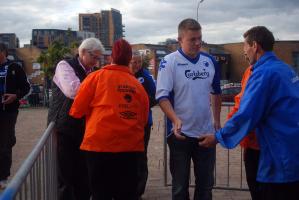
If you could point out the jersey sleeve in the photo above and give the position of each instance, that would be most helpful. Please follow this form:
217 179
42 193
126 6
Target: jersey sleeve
164 79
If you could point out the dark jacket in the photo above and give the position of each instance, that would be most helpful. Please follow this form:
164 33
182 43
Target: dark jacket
60 106
13 80
148 83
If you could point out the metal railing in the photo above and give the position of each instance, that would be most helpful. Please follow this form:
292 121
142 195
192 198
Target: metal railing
37 177
229 173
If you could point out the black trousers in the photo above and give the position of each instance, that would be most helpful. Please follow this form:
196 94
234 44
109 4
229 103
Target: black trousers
113 175
72 170
280 191
142 164
7 141
251 160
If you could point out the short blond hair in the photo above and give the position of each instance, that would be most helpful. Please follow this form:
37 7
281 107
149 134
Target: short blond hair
188 24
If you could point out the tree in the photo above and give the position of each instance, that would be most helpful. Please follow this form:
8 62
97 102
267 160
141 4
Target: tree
50 57
48 60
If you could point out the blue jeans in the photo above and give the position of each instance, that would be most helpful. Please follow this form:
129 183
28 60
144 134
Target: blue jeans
181 153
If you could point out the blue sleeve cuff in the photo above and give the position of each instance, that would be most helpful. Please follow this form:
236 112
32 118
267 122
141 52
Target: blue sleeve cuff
219 138
162 97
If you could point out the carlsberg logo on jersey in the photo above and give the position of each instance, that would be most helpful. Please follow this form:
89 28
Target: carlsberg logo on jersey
196 74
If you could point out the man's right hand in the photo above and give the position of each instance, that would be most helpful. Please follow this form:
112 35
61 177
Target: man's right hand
208 140
169 112
8 98
177 129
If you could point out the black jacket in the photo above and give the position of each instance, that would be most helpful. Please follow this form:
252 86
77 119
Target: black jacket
16 83
60 106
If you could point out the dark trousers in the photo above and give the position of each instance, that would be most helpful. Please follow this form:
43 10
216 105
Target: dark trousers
251 160
113 175
72 170
181 153
7 141
280 191
142 164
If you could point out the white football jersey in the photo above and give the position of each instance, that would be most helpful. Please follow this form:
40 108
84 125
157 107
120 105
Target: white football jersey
187 83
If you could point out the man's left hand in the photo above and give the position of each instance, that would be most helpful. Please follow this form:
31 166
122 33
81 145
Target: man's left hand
207 141
8 98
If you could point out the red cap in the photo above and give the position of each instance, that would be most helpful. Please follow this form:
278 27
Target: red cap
121 52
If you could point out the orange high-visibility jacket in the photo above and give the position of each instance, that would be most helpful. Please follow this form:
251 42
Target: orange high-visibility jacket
250 141
116 107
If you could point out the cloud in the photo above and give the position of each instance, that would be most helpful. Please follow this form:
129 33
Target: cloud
152 21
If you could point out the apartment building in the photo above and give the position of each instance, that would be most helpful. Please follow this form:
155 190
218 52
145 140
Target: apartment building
107 25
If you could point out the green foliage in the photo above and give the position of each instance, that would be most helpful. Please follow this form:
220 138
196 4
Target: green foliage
50 57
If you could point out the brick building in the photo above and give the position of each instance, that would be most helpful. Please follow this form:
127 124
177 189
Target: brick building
288 51
33 69
154 53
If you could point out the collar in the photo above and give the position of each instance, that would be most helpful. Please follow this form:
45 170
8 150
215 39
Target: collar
267 55
192 60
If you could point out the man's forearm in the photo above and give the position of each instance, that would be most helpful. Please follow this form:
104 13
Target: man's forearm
168 109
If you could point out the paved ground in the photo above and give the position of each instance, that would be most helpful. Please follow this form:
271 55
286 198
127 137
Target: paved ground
32 122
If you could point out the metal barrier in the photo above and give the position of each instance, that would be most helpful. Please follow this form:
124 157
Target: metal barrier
37 177
229 171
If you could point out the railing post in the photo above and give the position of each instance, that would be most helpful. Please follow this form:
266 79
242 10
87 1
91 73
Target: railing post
32 171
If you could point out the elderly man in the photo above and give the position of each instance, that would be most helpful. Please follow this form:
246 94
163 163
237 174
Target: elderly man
13 86
72 170
269 105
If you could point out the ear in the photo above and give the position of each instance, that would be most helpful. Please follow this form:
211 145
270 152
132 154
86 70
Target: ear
179 38
256 46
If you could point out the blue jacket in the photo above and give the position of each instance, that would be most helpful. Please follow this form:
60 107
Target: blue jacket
148 83
270 105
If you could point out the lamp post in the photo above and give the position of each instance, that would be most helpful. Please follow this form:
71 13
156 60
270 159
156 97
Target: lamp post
199 2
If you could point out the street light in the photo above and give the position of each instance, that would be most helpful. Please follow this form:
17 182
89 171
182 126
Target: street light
199 2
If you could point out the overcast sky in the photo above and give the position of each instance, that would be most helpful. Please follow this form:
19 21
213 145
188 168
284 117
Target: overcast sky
152 21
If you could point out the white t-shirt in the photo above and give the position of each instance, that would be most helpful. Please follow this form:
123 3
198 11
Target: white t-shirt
187 83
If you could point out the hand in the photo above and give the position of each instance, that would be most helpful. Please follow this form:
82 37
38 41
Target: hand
177 129
208 140
8 98
217 125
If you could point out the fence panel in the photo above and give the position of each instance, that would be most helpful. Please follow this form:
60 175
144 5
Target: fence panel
37 177
229 168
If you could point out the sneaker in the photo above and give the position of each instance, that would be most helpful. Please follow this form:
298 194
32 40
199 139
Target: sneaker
3 184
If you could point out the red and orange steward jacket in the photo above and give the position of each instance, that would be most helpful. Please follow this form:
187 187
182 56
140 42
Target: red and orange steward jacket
116 108
250 141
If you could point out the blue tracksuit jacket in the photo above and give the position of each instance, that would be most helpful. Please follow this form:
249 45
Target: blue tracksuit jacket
270 105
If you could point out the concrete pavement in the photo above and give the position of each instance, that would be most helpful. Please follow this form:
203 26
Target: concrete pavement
32 122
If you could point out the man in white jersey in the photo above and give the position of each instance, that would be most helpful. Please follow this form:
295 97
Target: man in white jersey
188 83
